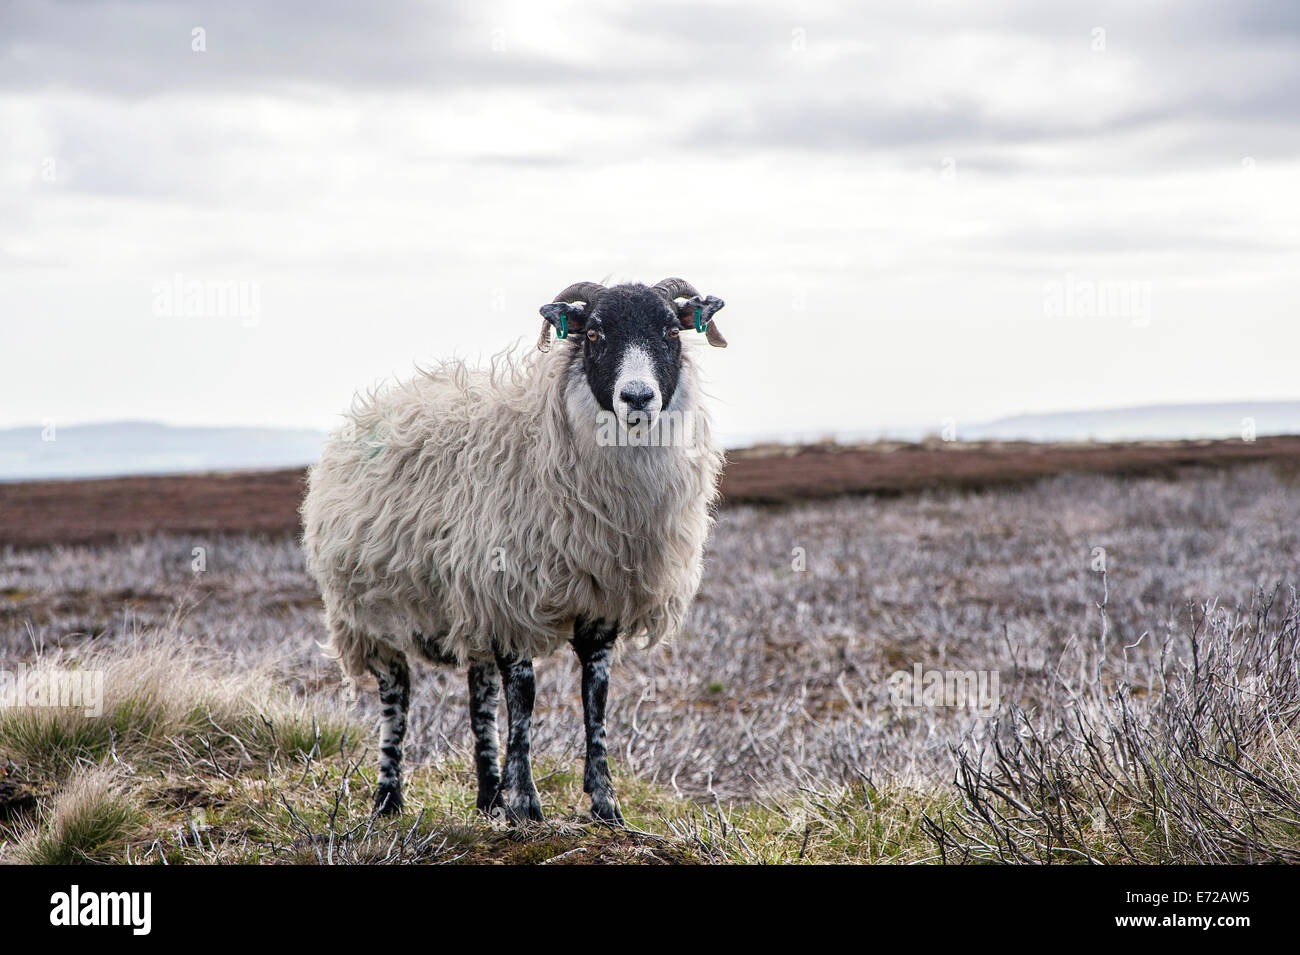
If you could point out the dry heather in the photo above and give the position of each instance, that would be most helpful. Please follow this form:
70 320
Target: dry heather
1161 728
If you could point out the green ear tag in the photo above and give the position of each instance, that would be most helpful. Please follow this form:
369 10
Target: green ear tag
564 326
699 325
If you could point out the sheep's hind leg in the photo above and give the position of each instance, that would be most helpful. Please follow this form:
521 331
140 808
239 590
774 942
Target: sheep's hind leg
394 678
593 641
518 793
484 686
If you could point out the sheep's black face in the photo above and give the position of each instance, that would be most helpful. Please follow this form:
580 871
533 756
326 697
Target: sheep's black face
632 353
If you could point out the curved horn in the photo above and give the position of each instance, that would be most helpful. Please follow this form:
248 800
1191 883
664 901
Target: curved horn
673 288
581 292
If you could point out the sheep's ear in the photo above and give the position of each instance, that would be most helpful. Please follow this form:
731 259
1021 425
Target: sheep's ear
697 313
565 317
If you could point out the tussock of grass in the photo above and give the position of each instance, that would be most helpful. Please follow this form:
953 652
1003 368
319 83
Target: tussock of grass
93 819
161 698
167 712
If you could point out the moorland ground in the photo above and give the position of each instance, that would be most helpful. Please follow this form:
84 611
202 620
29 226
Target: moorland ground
1147 712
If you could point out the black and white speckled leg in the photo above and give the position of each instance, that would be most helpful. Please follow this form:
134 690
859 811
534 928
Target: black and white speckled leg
394 678
593 641
484 687
518 794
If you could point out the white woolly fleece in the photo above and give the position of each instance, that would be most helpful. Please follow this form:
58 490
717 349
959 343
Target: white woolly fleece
476 507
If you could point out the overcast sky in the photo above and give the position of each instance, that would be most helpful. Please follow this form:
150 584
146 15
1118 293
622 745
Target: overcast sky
914 211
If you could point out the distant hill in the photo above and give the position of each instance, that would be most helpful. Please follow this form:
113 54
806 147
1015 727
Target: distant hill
139 447
1188 422
142 447
1145 423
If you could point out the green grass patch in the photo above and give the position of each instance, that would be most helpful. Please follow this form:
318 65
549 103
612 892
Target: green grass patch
157 702
94 819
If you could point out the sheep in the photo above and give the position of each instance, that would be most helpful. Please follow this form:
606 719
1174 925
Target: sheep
480 518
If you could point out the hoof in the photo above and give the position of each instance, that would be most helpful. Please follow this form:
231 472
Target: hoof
606 810
520 806
388 799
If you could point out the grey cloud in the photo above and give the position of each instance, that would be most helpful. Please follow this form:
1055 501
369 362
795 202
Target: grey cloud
1213 80
723 69
1251 112
142 49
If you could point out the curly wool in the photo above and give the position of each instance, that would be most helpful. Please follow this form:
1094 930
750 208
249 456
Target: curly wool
469 511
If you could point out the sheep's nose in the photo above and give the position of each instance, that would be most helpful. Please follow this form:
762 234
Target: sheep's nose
638 395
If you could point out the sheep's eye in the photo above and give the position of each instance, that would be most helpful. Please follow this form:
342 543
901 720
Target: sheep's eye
673 331
593 335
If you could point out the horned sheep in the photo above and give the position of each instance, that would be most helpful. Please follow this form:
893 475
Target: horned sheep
483 517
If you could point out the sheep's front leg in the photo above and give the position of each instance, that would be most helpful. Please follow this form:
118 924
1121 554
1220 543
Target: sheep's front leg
593 641
394 678
518 794
484 686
